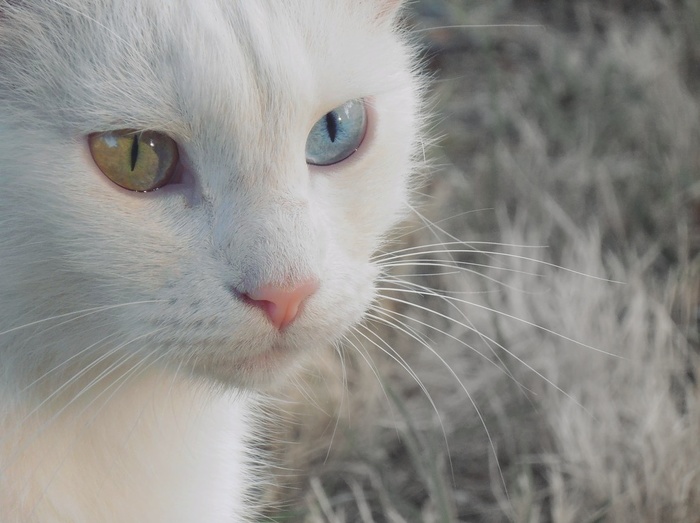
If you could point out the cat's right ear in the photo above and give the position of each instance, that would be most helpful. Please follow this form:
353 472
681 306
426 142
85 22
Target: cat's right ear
388 9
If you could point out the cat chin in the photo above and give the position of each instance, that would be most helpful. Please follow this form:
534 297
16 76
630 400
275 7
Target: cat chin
255 372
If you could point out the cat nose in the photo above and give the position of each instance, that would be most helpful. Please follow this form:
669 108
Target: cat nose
280 304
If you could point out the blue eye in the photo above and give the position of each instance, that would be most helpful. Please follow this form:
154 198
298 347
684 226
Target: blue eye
338 134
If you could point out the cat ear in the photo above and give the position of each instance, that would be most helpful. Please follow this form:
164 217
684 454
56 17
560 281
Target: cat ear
388 9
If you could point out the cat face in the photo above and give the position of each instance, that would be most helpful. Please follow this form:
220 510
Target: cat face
136 278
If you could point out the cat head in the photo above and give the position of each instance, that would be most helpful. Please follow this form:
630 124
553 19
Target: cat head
283 135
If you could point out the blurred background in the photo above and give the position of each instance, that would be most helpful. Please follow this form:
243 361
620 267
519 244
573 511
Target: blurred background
538 361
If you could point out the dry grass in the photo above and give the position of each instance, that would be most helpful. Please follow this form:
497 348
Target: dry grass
550 394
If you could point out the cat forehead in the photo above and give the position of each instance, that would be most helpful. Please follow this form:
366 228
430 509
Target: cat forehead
155 64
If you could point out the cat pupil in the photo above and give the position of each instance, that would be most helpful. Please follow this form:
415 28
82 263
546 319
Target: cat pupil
134 152
331 125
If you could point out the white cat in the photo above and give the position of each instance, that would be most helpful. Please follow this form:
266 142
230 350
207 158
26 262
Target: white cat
191 192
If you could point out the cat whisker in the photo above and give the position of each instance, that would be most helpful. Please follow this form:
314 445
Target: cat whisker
389 258
459 381
463 267
480 26
37 433
488 340
129 433
120 382
340 407
140 367
433 227
392 353
78 314
93 364
365 355
495 311
409 288
509 316
66 384
66 362
442 248
455 272
301 384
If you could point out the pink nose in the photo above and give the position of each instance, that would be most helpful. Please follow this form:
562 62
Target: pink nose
281 304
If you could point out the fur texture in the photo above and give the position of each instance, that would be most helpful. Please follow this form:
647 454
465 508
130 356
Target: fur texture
124 352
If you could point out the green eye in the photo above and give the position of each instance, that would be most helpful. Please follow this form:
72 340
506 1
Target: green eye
135 160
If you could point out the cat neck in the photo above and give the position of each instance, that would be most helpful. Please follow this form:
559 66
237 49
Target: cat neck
158 447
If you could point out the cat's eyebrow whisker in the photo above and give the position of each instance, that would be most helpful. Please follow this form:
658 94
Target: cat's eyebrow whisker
80 314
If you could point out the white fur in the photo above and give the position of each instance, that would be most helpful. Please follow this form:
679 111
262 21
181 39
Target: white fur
117 322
